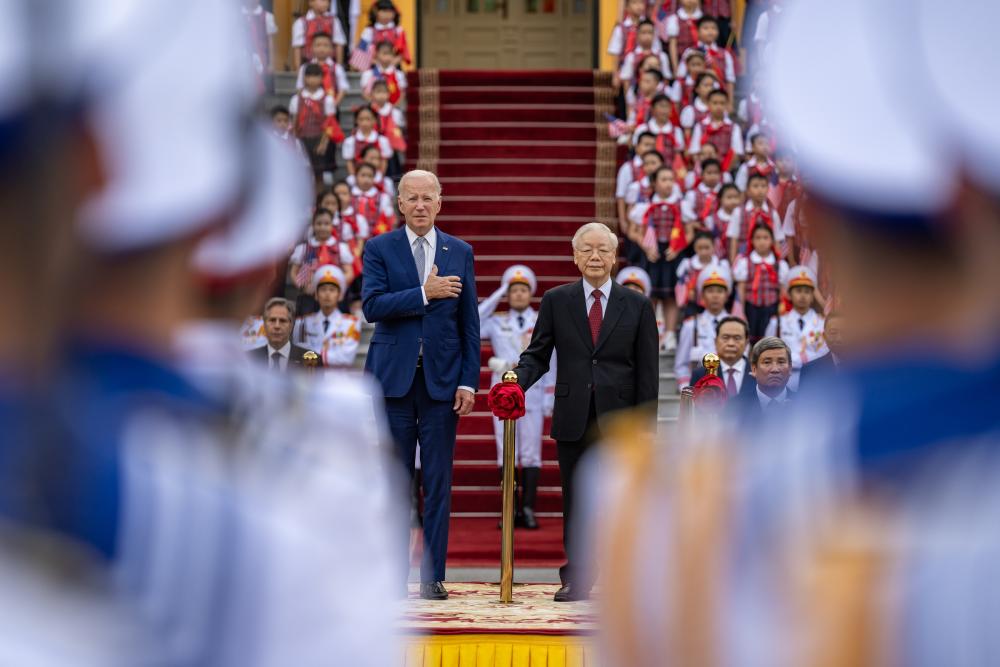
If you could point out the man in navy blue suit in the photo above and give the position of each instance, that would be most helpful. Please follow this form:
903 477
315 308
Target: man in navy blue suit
420 290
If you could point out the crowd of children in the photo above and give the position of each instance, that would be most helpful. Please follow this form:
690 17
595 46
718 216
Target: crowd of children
706 184
353 172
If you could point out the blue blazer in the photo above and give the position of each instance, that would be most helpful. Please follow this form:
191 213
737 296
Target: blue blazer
448 329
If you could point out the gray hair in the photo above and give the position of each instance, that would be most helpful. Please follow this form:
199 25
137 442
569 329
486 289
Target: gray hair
595 227
419 173
280 301
769 343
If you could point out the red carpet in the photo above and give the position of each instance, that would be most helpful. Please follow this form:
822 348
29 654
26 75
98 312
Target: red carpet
524 160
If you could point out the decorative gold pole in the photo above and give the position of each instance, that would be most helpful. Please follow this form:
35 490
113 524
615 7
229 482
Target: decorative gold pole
310 360
507 538
711 363
687 405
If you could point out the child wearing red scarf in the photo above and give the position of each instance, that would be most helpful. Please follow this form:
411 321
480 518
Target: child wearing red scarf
759 275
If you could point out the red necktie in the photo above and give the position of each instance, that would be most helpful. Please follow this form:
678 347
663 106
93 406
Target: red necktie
731 383
596 316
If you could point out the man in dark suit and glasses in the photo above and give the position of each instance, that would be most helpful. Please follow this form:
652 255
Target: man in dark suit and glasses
280 352
607 359
731 336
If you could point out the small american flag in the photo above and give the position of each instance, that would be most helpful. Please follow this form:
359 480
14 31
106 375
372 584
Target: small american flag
616 126
649 238
304 275
361 57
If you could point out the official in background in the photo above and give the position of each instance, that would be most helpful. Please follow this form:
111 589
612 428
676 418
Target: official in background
771 367
420 291
280 352
607 360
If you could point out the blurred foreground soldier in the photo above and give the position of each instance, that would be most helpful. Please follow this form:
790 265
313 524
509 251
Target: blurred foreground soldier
312 513
864 530
509 334
55 602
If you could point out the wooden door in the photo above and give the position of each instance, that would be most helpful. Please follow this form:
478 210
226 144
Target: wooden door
507 34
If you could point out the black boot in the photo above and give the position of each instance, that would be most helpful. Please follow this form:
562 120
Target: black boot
416 521
518 516
529 496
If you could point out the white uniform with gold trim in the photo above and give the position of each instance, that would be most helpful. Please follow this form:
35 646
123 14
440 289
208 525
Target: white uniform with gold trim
336 342
252 333
696 340
510 336
802 333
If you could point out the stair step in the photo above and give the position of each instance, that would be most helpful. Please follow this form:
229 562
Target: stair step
475 500
487 474
586 131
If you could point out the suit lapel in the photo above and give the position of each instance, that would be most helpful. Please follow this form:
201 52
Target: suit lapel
616 306
404 253
443 253
577 313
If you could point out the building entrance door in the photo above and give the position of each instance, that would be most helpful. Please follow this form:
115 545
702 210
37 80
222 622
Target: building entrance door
507 34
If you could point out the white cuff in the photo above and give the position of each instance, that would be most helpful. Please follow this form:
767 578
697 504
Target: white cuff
468 389
423 295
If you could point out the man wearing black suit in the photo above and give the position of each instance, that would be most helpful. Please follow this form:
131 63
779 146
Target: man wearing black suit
771 366
731 335
829 364
279 353
607 359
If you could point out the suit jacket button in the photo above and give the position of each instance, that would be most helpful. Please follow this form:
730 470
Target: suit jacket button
420 340
595 362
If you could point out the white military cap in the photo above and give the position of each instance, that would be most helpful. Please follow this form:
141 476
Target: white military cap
272 220
715 274
800 276
858 111
171 125
520 274
633 275
328 273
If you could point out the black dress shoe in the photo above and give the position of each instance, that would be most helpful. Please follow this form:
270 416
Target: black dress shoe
530 522
571 593
433 591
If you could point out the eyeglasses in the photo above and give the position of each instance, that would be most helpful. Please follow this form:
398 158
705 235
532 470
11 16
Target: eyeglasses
604 252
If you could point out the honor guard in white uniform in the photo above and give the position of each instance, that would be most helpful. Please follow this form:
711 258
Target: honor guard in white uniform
333 334
715 283
252 333
801 327
509 334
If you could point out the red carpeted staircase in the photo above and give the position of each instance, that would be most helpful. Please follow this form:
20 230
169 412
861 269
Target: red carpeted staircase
524 159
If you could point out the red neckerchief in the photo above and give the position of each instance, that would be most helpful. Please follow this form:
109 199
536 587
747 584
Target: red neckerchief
630 35
367 206
642 109
771 272
709 205
752 218
710 131
675 222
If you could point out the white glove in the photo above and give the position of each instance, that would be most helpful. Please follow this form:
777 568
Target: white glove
498 365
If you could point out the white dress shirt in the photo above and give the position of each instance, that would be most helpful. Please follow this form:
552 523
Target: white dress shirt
588 292
766 400
739 368
284 351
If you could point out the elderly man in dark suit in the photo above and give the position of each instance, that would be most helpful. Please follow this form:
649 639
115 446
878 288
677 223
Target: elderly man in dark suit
280 353
731 336
771 366
607 360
